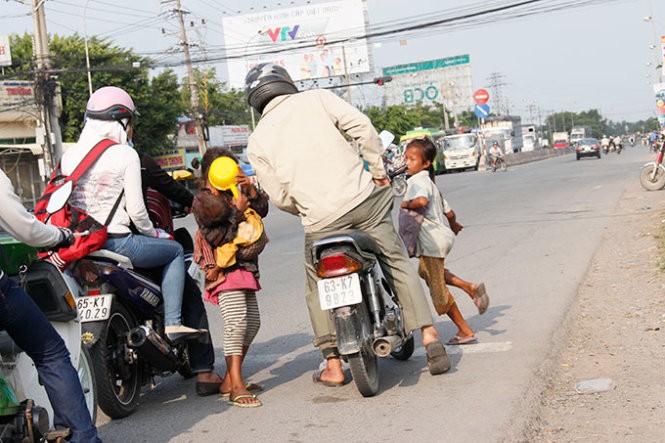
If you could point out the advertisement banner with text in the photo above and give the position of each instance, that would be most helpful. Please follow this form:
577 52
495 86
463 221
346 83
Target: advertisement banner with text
310 41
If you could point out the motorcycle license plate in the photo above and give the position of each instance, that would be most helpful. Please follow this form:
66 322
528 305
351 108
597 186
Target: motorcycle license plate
339 291
94 307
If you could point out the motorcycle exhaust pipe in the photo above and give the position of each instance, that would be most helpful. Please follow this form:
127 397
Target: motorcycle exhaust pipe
149 345
383 346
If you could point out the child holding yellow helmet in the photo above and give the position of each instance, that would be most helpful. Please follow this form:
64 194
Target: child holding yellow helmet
229 211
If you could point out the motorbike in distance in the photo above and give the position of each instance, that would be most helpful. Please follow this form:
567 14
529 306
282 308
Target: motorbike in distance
500 164
26 414
652 175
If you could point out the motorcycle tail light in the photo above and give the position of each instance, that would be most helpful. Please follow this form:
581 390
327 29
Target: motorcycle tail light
91 273
337 264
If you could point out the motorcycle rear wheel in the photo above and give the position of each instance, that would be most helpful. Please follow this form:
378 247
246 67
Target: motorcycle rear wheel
503 166
652 184
365 371
364 365
118 376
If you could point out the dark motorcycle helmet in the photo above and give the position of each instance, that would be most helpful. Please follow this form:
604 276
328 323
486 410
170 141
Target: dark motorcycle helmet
265 82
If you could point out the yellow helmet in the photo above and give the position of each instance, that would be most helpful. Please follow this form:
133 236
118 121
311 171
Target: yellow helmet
222 174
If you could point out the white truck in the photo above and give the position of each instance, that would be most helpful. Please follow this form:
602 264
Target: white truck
579 132
461 151
512 130
529 138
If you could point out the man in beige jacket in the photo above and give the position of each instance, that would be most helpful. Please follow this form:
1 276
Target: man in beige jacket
308 168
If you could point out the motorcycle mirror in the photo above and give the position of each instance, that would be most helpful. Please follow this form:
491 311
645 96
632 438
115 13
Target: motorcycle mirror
387 138
59 197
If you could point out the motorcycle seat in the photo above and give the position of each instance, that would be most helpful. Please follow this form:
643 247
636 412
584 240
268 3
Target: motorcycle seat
114 256
360 239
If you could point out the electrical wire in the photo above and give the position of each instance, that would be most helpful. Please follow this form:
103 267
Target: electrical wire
417 26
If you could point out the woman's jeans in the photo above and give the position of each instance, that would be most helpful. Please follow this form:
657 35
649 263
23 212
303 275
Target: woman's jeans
33 333
149 252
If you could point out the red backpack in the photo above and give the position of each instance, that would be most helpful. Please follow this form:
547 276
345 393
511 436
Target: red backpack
78 221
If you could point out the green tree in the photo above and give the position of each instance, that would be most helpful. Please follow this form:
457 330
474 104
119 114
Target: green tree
399 119
160 105
218 104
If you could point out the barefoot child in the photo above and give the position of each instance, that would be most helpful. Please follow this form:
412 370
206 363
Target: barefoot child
227 245
436 239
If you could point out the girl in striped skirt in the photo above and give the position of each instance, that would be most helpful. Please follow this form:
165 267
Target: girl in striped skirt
226 247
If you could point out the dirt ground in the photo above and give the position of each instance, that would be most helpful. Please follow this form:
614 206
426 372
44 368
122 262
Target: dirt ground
615 329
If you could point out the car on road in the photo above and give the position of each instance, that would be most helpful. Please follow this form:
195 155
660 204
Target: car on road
587 147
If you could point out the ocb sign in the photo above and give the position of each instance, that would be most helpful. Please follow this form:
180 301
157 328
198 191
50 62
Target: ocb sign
418 94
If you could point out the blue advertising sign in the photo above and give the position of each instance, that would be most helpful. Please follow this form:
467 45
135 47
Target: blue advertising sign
481 111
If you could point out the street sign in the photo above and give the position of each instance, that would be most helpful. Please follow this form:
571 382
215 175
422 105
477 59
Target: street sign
481 110
481 96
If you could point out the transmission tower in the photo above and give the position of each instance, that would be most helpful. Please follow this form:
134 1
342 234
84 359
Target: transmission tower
496 84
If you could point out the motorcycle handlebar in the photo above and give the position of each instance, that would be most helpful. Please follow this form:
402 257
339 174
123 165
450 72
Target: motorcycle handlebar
401 170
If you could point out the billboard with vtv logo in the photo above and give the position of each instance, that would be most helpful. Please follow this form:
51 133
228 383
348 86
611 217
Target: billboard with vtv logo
310 41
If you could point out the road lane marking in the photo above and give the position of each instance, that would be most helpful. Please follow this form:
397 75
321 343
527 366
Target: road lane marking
474 348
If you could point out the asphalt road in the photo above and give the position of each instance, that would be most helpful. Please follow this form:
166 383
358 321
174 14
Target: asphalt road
529 234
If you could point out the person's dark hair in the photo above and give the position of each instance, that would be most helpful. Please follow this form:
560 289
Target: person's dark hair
427 150
210 156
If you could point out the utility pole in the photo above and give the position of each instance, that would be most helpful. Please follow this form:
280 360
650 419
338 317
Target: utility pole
45 90
193 87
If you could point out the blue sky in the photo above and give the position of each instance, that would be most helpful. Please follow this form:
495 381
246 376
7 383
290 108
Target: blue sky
576 59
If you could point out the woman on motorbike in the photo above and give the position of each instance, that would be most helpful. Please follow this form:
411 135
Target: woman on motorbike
109 115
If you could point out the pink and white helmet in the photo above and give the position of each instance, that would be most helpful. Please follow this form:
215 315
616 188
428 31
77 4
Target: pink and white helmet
110 103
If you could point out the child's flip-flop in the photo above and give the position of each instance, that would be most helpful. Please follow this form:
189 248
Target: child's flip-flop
481 299
457 340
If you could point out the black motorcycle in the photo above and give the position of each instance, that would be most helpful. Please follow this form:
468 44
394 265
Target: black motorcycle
366 313
121 310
